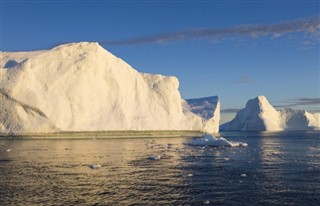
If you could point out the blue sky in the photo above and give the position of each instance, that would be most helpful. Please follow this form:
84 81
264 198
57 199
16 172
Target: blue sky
284 68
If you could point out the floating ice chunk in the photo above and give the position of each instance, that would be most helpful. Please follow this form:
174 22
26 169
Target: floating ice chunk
243 144
239 144
243 175
206 202
212 141
187 175
8 150
154 157
95 166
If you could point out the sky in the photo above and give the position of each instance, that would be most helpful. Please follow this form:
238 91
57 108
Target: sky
234 49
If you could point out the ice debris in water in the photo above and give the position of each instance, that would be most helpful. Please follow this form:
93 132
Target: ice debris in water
154 157
243 175
8 150
187 175
213 141
227 158
95 166
243 144
206 202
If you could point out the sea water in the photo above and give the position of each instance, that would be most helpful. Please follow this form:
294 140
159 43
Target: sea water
274 169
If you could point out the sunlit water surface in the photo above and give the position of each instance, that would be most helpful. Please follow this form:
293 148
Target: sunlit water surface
278 169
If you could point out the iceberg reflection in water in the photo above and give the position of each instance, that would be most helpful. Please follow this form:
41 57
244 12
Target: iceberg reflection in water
275 169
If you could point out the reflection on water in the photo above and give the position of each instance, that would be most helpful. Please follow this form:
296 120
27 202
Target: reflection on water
273 170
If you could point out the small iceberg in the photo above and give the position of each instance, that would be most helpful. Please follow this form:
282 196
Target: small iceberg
212 141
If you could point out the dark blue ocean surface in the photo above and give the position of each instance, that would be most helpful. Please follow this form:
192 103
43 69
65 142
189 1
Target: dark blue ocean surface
275 169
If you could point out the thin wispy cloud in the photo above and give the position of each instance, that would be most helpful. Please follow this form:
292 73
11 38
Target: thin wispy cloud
309 26
303 101
280 106
299 102
229 110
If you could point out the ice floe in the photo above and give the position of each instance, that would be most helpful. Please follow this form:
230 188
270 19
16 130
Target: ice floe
212 141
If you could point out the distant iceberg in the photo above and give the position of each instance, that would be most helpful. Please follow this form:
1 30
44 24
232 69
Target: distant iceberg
83 87
208 108
291 120
260 115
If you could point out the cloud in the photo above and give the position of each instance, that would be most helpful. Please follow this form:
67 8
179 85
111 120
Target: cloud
299 102
309 26
303 101
280 106
244 80
229 110
314 110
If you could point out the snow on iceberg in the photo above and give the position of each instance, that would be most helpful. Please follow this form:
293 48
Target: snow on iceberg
83 87
260 115
212 141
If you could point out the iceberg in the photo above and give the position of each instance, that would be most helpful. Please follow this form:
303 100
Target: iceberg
83 87
299 120
260 115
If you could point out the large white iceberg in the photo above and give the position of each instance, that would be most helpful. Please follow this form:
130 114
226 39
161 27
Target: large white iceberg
83 87
260 115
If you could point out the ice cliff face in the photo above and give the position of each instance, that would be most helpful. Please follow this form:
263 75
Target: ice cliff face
83 87
259 115
208 108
